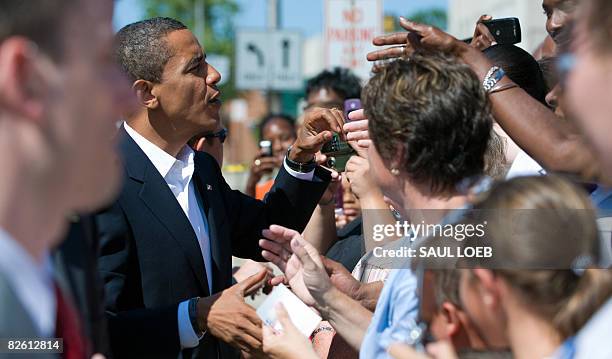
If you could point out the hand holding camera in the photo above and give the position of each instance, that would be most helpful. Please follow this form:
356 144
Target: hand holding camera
319 127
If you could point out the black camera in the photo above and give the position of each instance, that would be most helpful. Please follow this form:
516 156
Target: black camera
338 152
266 148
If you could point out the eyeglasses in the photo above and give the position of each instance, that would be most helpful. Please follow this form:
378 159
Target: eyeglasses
221 134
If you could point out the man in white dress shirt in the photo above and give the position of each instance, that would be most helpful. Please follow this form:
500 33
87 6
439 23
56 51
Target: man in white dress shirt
167 242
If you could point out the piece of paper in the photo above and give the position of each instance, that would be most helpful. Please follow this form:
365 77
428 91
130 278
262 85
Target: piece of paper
304 318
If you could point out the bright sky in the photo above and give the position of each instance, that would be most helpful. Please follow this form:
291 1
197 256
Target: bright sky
296 14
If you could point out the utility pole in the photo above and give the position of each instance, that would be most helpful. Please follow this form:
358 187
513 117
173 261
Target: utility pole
274 102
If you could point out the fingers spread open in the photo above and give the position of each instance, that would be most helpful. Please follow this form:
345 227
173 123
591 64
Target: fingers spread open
283 251
277 260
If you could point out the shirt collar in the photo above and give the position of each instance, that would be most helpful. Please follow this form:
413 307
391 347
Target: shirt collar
162 160
31 281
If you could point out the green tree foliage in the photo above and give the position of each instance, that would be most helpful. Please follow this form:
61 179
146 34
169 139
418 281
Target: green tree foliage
433 17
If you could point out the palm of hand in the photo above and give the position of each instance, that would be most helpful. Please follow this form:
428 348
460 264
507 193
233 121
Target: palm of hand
295 275
307 285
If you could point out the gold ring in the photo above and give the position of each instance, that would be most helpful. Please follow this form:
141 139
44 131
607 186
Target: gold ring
258 162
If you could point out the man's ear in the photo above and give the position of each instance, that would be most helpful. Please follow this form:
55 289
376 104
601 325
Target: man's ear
144 93
199 145
21 86
451 318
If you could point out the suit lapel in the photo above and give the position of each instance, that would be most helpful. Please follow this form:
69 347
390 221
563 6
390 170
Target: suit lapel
208 188
158 198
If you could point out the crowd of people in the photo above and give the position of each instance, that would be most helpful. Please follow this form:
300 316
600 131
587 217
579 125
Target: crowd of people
117 228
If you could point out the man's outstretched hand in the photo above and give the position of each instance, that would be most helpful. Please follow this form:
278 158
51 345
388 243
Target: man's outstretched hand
226 316
300 261
418 36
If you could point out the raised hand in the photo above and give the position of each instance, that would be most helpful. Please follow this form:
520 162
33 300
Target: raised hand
341 278
277 249
417 36
318 127
483 39
300 261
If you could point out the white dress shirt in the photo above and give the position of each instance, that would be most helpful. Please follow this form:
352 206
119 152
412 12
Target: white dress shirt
32 283
523 166
178 173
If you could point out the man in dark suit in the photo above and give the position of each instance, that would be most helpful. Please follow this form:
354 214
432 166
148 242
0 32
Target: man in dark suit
167 242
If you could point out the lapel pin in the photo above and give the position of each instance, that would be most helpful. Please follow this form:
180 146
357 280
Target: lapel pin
209 187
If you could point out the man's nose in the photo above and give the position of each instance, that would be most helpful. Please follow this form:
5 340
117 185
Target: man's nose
213 76
557 20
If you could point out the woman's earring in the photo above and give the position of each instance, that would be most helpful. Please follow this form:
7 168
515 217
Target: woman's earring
395 172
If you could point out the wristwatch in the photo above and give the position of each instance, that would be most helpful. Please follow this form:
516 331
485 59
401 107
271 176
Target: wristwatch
301 167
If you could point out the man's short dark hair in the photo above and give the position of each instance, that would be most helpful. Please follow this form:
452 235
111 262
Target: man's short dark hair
41 21
434 108
141 48
341 80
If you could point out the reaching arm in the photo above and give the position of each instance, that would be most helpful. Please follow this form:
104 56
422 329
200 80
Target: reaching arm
346 315
554 144
310 281
321 229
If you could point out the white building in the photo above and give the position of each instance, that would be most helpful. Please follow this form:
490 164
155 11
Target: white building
463 14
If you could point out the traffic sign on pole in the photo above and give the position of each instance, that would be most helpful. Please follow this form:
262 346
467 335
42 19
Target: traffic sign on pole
268 60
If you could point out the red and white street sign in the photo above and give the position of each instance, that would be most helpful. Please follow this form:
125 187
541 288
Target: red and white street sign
350 27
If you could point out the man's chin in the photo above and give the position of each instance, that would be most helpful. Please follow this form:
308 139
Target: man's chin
211 122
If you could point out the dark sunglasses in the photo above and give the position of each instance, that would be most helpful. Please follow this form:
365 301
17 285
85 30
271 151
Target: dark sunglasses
221 135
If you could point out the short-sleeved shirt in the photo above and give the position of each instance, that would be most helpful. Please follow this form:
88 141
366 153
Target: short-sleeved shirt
396 313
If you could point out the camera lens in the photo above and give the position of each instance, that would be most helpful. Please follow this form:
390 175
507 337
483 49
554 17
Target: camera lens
331 162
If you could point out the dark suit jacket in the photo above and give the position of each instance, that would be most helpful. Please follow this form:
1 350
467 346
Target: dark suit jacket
75 264
150 258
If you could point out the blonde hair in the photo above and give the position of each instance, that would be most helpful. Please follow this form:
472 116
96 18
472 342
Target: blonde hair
535 254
